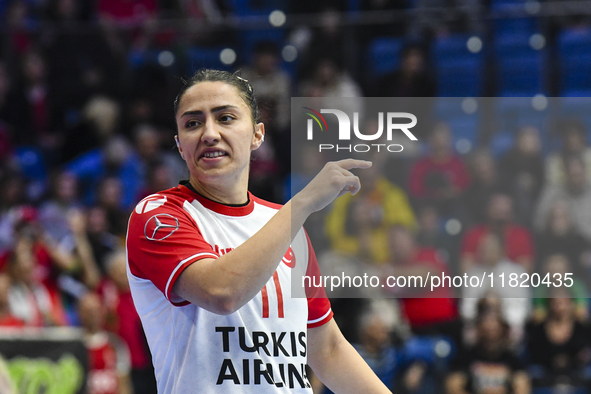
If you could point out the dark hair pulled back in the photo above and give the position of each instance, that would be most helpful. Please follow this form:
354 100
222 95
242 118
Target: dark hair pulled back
210 75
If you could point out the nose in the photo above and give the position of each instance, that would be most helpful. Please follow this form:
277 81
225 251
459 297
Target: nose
210 133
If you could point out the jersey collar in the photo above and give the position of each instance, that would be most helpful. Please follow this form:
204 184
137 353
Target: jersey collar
223 209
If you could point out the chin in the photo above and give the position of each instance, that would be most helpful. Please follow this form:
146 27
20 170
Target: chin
215 175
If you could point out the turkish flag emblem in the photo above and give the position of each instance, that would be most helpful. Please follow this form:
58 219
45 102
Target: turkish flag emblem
289 258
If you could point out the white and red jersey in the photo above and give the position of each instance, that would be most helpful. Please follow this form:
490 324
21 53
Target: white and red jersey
108 359
262 347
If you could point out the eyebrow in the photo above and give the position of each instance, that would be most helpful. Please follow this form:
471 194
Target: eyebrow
215 109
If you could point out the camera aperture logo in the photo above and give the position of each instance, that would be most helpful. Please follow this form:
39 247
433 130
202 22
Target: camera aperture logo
344 134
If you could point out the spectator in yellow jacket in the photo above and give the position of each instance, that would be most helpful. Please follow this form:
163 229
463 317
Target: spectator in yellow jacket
358 224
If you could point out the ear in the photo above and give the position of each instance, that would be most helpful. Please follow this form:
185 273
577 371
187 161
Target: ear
178 145
258 136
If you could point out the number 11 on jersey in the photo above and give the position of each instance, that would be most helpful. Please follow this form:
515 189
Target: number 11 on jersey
265 295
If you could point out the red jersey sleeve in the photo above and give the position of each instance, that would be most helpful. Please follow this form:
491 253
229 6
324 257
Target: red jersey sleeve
163 240
319 310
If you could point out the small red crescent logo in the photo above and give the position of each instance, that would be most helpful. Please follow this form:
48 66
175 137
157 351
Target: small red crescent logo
289 258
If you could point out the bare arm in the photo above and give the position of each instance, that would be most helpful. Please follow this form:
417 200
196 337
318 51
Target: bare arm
317 385
61 258
90 272
223 285
337 363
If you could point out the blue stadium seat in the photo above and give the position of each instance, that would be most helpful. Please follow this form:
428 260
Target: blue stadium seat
139 58
464 127
459 72
577 108
353 6
574 53
519 66
424 348
501 142
200 57
256 7
31 162
576 93
384 55
250 38
450 46
512 113
509 17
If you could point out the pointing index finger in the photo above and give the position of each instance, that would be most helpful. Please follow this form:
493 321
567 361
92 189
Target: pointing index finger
349 164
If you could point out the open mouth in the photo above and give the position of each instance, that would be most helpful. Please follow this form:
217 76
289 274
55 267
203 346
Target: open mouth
212 154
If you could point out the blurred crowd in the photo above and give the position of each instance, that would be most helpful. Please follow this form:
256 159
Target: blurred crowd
476 214
86 131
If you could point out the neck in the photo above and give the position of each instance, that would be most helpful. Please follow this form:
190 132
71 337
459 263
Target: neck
234 193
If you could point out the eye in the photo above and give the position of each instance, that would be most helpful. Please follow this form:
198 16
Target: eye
226 118
191 123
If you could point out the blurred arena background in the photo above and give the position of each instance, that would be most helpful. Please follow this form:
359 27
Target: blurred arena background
86 131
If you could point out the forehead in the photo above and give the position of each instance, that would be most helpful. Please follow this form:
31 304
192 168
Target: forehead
207 95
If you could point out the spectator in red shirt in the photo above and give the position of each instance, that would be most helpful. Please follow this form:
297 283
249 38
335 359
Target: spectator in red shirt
7 319
131 12
518 240
441 177
108 357
29 298
427 316
123 320
136 17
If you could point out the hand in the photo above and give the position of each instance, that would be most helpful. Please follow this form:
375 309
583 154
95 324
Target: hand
77 221
332 181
